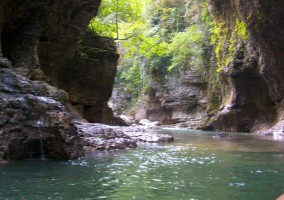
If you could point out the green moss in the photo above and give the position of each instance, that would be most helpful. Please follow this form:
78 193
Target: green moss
227 99
241 30
221 37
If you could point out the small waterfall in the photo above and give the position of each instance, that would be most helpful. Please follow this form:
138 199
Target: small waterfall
41 146
39 125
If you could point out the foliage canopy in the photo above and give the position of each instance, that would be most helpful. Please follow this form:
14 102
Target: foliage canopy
154 38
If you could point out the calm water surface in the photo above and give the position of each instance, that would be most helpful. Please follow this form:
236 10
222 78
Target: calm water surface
195 166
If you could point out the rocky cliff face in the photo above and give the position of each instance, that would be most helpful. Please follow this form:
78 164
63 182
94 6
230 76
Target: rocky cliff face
44 43
38 36
178 99
89 77
42 40
34 121
39 43
253 75
45 32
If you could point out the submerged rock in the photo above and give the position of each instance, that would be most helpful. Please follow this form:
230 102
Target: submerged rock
220 135
141 134
104 137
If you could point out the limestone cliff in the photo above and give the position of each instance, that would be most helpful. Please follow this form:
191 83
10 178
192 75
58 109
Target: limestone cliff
34 121
30 28
45 37
243 88
172 77
250 72
40 43
89 77
178 99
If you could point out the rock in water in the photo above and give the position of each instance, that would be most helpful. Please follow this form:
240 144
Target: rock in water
34 123
104 137
32 111
220 135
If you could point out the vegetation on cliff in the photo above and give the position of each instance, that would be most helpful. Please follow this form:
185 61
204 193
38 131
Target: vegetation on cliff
159 38
223 43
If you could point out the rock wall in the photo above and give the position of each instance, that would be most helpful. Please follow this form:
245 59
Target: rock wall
178 99
34 121
44 33
39 40
89 77
42 40
253 77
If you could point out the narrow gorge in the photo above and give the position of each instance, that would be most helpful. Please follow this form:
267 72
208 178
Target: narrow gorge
221 70
210 65
130 99
55 78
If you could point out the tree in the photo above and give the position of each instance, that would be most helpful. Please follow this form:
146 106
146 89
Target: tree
113 17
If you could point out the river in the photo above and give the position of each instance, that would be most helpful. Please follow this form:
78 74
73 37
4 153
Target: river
195 166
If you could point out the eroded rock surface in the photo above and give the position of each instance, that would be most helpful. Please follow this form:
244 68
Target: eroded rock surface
182 100
35 123
252 79
89 77
48 40
36 36
104 137
44 43
33 114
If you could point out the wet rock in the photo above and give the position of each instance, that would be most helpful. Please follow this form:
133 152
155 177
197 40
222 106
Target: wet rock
4 62
143 134
31 117
104 137
277 130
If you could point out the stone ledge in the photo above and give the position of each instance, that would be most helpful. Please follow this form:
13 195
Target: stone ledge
104 137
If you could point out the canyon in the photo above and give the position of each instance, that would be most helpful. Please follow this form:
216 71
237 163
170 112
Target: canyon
242 90
56 74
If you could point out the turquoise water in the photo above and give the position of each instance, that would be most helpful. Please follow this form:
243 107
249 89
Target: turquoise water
195 166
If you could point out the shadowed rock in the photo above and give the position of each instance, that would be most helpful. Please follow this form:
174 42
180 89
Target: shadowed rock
251 83
33 112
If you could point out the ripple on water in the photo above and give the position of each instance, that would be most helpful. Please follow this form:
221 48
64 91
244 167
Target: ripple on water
187 169
237 184
264 171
